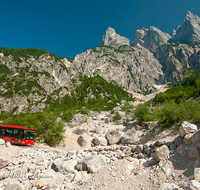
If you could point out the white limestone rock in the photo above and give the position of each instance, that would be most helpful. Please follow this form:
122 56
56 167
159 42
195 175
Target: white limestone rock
84 140
186 128
113 137
168 186
192 185
111 37
150 38
2 142
50 179
91 163
64 167
161 153
189 31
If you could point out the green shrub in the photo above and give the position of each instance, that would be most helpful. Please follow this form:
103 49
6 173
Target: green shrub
25 53
116 117
166 113
171 113
127 107
142 113
4 69
84 111
68 115
49 132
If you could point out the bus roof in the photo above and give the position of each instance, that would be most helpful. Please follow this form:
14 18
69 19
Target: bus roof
16 127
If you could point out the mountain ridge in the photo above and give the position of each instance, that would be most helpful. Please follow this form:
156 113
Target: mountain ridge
138 67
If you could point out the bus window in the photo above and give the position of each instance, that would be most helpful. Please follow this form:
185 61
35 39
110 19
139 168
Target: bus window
29 135
9 132
2 132
16 133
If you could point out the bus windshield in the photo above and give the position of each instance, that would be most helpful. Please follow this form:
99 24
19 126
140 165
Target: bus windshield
29 135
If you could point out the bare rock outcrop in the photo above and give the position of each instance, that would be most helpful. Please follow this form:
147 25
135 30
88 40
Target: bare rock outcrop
111 37
151 38
136 68
189 31
176 58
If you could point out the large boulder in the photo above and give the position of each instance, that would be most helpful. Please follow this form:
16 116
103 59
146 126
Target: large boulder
186 128
113 137
161 153
7 144
100 141
196 137
178 140
187 138
181 149
84 140
64 167
91 163
193 151
192 185
50 179
130 137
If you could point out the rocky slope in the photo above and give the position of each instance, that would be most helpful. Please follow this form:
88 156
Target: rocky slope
28 82
109 156
136 69
177 58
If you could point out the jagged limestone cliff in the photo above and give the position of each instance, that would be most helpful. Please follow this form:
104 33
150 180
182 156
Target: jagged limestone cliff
28 82
189 31
26 85
150 38
112 38
136 69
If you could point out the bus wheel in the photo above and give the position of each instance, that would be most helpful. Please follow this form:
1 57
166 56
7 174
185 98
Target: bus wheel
12 142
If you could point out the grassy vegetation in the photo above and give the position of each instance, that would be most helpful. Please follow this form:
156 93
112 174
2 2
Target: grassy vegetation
177 104
103 96
106 46
102 92
114 62
25 53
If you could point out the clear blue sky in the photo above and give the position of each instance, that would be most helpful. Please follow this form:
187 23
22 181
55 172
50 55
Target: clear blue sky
69 27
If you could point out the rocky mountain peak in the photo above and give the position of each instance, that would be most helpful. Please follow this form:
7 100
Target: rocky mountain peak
189 31
111 37
191 16
150 38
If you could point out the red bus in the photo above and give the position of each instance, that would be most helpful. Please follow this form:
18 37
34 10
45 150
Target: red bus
18 135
